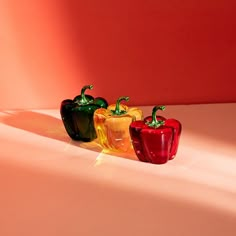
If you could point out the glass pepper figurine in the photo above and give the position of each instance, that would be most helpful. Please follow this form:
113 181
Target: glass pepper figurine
155 139
112 125
77 115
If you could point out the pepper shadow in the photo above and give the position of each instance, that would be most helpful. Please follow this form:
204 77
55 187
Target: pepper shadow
38 123
52 127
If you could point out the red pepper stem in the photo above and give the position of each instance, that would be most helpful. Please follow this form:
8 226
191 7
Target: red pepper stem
84 100
156 123
117 110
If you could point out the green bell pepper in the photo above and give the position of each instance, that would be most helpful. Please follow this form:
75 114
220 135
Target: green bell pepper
77 115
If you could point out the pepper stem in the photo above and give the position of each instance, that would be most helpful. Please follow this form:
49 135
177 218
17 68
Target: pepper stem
84 100
156 123
117 110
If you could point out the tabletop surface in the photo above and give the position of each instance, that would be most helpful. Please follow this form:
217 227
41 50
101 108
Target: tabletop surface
205 164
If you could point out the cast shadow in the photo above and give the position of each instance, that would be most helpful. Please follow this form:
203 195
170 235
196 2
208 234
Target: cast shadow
52 127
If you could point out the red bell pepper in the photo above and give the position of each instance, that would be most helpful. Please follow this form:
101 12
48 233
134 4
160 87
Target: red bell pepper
155 139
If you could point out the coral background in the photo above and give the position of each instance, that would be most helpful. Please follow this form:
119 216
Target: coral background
156 52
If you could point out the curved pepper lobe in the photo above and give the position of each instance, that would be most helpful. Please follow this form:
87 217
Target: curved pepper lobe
176 127
136 113
83 122
157 144
99 118
135 132
65 111
113 130
101 102
78 120
117 131
66 105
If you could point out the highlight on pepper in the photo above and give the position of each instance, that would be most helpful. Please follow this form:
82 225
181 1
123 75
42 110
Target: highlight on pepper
77 115
112 125
155 139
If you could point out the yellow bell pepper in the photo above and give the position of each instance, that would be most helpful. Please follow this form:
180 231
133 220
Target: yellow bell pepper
112 125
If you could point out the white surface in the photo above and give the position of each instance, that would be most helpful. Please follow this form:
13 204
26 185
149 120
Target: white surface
51 185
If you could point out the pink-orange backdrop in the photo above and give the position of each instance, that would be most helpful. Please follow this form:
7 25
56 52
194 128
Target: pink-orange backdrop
155 51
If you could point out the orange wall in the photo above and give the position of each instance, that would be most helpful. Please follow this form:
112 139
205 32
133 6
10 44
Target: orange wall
155 51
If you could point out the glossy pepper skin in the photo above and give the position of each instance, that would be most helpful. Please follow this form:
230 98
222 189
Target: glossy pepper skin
112 125
77 115
155 139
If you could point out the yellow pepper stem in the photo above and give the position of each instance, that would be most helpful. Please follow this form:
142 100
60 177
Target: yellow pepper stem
117 110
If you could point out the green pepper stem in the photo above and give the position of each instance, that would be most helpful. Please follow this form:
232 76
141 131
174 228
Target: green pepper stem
84 100
156 123
117 110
